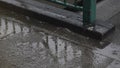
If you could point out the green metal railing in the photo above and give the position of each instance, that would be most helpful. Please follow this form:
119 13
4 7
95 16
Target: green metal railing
88 8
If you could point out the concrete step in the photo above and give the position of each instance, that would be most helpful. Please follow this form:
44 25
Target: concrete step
58 16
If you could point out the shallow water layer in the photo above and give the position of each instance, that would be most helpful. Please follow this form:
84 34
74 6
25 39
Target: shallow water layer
29 43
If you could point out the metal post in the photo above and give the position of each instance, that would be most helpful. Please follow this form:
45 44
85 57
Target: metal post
89 12
88 8
65 2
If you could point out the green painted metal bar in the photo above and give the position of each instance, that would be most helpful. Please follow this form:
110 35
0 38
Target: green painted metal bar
75 2
89 12
66 4
88 8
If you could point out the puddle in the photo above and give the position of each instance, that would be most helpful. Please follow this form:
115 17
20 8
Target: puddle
24 46
27 45
43 50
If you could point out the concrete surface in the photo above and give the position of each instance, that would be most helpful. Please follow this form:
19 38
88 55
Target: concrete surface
59 17
26 44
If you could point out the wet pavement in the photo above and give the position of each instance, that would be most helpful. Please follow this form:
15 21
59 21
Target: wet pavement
29 43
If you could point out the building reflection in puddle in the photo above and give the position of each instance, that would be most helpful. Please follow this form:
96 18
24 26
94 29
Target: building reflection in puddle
10 27
45 50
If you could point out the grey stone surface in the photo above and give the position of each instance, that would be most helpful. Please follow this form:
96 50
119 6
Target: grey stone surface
24 44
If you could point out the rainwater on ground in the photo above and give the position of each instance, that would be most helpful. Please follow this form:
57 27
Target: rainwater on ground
29 43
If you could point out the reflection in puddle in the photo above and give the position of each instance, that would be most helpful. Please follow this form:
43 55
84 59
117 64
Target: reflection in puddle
10 27
26 47
44 50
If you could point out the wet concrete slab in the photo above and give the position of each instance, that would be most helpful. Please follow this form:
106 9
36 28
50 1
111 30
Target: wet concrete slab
46 51
107 9
24 44
114 64
112 50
